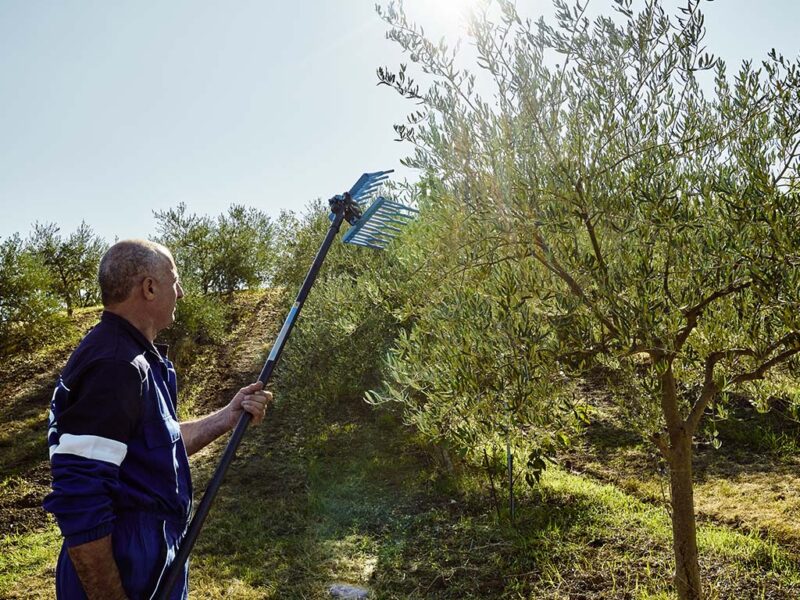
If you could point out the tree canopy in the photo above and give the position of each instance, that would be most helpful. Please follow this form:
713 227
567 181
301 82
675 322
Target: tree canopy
71 261
223 254
646 200
27 312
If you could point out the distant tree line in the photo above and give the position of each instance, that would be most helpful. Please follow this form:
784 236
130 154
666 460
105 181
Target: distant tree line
45 277
215 256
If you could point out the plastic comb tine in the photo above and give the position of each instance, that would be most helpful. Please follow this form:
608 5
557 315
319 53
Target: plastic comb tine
381 221
368 183
367 245
366 192
388 229
370 244
379 224
368 238
390 218
390 213
375 236
382 226
401 207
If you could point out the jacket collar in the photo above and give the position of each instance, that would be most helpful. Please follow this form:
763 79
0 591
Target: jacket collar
159 350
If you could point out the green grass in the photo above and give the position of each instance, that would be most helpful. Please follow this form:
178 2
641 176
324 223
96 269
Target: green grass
354 499
742 565
768 434
358 503
23 443
27 563
26 385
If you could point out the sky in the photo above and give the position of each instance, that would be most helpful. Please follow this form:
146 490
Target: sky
112 110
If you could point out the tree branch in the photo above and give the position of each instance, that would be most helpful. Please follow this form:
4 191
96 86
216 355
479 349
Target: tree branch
710 389
554 267
692 314
590 229
784 341
792 156
759 372
669 401
667 267
661 441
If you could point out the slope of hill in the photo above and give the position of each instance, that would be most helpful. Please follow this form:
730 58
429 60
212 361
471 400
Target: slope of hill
352 496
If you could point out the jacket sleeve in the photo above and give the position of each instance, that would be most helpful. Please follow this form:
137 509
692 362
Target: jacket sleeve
90 426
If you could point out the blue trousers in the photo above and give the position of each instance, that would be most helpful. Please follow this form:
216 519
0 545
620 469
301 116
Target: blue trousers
144 545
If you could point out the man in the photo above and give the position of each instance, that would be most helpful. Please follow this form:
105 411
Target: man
121 483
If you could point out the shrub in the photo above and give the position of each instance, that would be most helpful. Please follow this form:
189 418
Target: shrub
200 318
29 314
232 252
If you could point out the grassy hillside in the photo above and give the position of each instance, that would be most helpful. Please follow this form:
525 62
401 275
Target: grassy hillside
354 497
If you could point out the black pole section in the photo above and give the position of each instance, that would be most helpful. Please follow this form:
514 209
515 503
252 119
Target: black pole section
342 207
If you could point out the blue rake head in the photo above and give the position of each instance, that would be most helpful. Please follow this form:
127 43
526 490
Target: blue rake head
376 226
367 184
379 224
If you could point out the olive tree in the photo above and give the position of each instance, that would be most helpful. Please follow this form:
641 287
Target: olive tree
214 255
190 237
242 249
223 254
468 365
72 262
655 195
28 312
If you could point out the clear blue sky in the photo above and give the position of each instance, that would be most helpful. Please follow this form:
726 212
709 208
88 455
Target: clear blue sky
110 110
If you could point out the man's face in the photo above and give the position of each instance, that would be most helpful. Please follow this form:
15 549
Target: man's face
169 292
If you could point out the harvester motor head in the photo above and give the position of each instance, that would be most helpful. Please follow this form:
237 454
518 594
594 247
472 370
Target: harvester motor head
352 202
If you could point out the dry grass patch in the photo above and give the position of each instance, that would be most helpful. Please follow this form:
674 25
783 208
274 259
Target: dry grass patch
759 499
752 482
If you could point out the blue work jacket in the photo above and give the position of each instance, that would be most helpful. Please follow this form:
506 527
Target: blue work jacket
115 443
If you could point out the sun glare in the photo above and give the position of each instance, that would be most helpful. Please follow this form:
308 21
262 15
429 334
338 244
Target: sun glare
446 18
451 8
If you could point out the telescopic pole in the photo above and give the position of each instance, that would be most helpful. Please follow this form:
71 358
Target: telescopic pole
342 207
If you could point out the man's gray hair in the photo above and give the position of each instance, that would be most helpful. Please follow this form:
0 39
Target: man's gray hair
126 263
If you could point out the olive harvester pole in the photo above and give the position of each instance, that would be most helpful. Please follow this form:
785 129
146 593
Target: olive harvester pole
373 227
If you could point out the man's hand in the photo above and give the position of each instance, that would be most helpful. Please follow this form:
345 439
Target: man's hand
94 563
252 399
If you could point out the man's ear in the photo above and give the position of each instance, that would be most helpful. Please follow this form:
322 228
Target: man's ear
149 288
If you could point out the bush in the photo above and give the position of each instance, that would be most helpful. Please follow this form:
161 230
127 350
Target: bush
29 315
346 327
200 318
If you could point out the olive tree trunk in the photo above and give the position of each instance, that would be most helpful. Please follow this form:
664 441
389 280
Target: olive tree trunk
684 528
676 447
